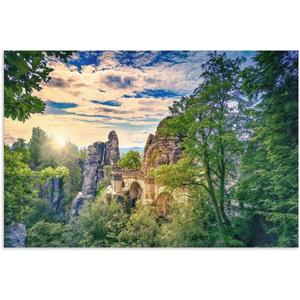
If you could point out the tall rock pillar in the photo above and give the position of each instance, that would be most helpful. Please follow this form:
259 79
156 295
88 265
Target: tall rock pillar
99 154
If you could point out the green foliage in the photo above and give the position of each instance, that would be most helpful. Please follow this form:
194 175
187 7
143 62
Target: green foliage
210 123
59 172
21 147
131 160
269 172
38 210
82 153
19 189
46 154
187 227
184 173
69 157
48 161
98 225
36 146
44 234
24 71
142 228
107 176
193 224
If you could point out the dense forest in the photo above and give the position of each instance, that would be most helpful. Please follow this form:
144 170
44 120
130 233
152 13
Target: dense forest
239 163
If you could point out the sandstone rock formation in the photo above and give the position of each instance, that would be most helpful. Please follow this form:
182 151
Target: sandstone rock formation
93 168
99 154
78 202
160 150
53 192
15 235
112 153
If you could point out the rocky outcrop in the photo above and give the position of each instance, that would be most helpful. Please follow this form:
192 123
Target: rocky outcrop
99 155
112 153
160 150
93 168
53 192
15 235
78 203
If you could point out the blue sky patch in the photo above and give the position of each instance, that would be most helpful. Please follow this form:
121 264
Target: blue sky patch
107 102
85 58
155 93
139 59
61 105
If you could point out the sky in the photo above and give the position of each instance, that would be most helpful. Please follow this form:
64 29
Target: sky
99 91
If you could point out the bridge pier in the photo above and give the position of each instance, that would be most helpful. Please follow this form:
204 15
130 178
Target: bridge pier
117 183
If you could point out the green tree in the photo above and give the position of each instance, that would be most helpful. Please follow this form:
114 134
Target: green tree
45 234
98 225
210 123
184 173
36 146
24 71
269 173
19 186
38 210
193 224
21 146
142 228
131 160
69 157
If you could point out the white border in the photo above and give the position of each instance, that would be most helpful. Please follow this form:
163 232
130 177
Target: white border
150 273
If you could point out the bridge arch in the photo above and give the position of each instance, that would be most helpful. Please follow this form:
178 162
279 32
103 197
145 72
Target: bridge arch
135 192
162 204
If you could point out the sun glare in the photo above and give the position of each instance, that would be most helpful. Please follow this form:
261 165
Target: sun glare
61 140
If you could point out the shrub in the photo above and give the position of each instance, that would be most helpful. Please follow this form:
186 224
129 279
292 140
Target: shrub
131 160
142 228
44 234
98 225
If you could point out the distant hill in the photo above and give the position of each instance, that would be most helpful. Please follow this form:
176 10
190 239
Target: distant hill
138 149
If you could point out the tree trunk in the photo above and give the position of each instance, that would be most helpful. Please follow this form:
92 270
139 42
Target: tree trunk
212 191
222 185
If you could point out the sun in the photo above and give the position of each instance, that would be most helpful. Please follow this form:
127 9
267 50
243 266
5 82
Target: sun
61 140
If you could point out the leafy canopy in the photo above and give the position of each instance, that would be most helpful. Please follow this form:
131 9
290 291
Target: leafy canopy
24 71
131 160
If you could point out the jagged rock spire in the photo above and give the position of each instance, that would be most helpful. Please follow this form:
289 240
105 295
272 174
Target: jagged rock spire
99 154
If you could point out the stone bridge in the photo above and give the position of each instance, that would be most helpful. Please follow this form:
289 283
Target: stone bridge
135 185
139 187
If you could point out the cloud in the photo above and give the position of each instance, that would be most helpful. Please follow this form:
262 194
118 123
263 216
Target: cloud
57 82
141 59
130 91
118 81
110 110
108 102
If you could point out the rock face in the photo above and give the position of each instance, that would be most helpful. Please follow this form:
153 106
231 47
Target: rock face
15 235
78 203
93 168
112 153
99 154
160 150
53 192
